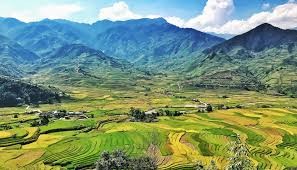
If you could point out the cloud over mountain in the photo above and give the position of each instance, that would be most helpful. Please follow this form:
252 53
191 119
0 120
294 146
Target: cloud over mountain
283 16
215 17
215 13
50 11
118 11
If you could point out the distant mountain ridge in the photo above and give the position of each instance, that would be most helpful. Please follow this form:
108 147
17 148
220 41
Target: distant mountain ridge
152 42
106 52
146 42
260 38
80 65
13 56
264 57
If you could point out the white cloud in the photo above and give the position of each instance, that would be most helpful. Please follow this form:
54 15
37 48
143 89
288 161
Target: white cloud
175 21
118 11
215 17
153 16
283 16
61 11
215 13
266 6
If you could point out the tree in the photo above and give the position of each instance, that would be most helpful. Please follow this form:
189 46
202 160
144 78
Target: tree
240 156
44 120
142 163
114 160
137 114
118 160
209 108
8 99
199 166
212 166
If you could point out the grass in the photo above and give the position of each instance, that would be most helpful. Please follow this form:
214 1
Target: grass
180 141
63 125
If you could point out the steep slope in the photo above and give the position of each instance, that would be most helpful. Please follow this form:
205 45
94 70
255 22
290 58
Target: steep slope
77 64
7 25
152 41
260 38
41 37
146 42
13 58
16 92
264 57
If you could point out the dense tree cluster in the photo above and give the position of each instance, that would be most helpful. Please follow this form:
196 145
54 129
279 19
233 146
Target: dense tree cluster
137 114
141 116
118 160
288 90
169 113
43 120
16 93
209 108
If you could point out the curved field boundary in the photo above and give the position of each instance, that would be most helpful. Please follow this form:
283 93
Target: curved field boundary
30 137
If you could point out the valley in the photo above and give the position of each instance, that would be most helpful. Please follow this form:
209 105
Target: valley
267 123
73 91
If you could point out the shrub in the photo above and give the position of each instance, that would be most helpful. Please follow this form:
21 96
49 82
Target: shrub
240 156
137 114
8 99
209 108
119 160
199 166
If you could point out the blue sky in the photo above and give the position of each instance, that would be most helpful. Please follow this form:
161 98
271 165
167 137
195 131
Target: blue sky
205 15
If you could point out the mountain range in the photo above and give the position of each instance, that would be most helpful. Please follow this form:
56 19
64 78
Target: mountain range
105 52
264 57
14 57
142 41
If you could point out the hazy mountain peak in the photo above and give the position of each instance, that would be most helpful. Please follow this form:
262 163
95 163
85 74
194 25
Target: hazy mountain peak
266 26
260 38
76 50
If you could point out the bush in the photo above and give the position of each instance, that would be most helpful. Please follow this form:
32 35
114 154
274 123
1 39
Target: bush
142 163
8 99
199 166
141 116
119 160
16 93
209 108
240 156
173 113
137 114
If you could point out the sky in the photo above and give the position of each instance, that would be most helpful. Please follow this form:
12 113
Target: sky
217 16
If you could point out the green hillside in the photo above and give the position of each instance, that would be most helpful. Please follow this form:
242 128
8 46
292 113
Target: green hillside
80 65
13 57
16 93
145 42
263 58
179 96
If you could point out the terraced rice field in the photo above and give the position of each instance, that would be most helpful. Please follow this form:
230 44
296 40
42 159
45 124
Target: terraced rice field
175 142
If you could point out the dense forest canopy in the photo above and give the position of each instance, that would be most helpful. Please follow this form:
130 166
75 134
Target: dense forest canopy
15 93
